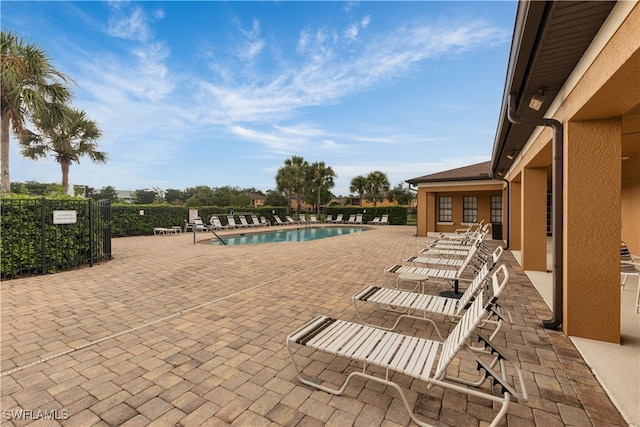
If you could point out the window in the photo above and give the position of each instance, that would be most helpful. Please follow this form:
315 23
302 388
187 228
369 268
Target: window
496 209
469 209
445 209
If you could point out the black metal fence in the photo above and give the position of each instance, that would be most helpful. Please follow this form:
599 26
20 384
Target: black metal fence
40 236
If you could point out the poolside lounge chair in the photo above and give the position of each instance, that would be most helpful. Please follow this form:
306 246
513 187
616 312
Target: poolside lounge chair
165 231
375 220
457 247
351 220
199 225
477 234
422 306
255 221
264 221
338 219
329 218
231 222
313 219
420 358
629 267
290 220
243 222
216 224
384 220
400 271
358 219
278 220
462 233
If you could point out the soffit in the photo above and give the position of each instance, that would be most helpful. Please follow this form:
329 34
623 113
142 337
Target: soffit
549 40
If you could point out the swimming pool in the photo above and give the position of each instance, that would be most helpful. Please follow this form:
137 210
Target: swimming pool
288 235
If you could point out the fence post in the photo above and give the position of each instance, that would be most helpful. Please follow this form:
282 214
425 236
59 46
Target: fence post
105 223
91 228
43 219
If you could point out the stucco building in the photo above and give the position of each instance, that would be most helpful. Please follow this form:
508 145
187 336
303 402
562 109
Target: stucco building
565 160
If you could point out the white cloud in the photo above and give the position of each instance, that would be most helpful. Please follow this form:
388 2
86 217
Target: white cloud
331 70
133 26
351 33
253 44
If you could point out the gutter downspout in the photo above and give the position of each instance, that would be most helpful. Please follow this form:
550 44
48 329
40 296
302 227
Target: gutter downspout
508 207
557 208
416 190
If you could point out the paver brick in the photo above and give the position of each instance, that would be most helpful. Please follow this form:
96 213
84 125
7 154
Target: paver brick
214 352
118 415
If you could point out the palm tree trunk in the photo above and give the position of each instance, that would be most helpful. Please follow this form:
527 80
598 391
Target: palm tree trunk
64 165
5 182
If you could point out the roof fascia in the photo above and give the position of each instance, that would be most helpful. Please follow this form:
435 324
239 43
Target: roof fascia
615 19
460 183
530 17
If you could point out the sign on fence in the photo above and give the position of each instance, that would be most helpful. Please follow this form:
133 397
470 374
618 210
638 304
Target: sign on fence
65 217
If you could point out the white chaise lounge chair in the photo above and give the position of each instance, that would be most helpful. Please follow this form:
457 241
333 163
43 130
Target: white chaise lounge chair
629 267
420 358
437 273
216 224
290 220
423 306
231 222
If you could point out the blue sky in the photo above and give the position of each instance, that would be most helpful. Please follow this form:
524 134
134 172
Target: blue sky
221 93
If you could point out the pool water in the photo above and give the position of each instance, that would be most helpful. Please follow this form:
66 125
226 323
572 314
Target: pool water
290 235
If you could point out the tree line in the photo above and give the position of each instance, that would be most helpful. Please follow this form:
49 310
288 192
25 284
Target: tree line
297 180
312 182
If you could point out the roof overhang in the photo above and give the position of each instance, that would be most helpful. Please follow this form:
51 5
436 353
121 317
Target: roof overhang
549 39
461 183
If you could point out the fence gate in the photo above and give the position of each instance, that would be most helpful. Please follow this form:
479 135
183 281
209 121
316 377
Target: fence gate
41 236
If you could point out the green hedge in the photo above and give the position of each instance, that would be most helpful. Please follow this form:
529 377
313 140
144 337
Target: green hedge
31 244
397 214
139 220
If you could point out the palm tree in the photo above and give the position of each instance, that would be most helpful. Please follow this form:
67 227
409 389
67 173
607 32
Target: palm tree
321 177
29 84
359 185
377 183
68 139
297 165
286 184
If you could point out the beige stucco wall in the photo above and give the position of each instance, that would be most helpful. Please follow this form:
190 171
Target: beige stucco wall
591 229
630 201
428 197
600 194
534 219
600 109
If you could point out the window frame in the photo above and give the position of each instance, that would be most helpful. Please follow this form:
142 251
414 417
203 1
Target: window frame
495 203
445 209
469 209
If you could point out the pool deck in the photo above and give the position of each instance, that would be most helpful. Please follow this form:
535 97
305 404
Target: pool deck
170 333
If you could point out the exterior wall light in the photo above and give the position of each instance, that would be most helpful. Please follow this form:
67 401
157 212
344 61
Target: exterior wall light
537 100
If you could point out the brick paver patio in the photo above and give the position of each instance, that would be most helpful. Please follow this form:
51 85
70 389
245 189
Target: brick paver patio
174 334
